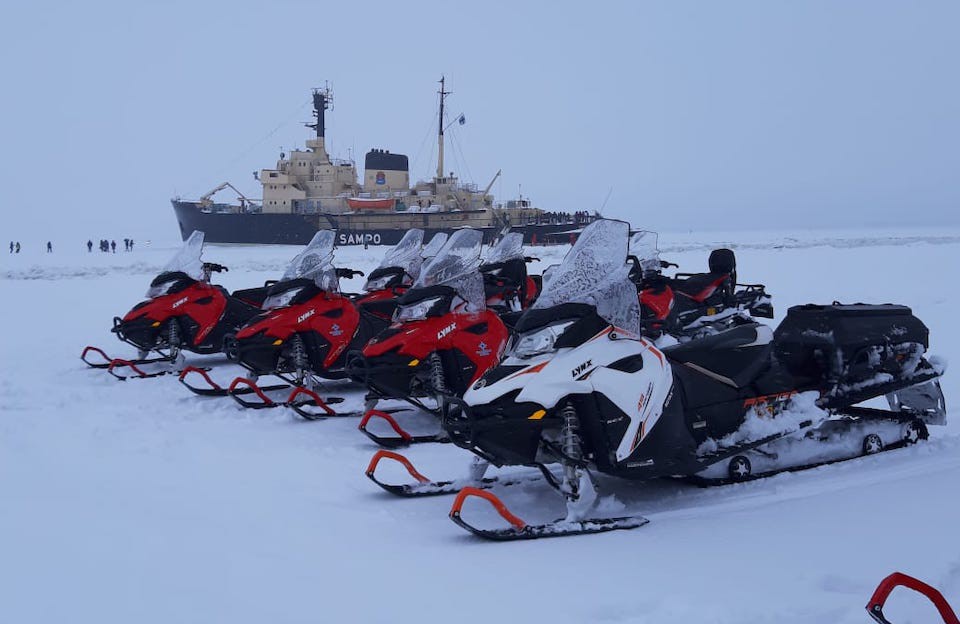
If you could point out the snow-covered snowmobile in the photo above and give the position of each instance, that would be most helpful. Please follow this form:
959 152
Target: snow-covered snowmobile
442 339
582 388
183 312
506 284
692 305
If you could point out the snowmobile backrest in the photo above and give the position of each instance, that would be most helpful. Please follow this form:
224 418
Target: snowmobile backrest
837 332
722 261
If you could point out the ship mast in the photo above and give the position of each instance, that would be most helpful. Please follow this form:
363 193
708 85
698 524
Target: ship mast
322 101
443 94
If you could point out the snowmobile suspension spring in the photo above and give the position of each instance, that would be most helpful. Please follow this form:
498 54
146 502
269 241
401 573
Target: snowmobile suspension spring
570 443
299 353
437 378
173 337
570 434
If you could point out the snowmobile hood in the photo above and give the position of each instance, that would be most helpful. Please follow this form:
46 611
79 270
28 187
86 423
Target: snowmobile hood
629 370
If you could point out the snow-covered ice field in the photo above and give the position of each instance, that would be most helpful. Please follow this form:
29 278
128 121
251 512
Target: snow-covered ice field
139 502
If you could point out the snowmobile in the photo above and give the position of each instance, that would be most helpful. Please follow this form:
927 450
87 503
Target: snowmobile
506 284
582 388
183 312
307 328
692 305
442 339
396 272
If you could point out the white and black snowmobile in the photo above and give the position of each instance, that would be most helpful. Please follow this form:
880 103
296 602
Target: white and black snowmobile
582 389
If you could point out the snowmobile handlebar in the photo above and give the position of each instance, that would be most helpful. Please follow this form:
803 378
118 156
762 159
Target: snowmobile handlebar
529 259
349 273
213 267
666 265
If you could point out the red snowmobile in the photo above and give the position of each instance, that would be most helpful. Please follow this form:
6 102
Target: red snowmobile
442 340
692 305
506 284
183 312
309 326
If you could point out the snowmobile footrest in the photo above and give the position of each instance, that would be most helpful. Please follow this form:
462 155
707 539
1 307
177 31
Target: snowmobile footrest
520 530
403 438
887 585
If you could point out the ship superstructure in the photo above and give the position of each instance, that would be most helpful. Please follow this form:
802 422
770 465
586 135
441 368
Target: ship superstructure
308 190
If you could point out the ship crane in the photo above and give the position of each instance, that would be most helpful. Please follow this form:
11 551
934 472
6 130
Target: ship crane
207 198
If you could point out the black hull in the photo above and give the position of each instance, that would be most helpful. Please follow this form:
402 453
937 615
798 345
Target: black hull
296 229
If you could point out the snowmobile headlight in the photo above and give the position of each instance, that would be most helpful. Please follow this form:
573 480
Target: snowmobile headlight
415 311
280 300
540 340
378 283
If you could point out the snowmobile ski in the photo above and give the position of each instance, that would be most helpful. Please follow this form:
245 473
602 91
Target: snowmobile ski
109 361
426 487
214 389
520 530
898 579
139 373
403 438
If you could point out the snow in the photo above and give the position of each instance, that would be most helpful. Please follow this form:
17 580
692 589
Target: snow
137 501
800 411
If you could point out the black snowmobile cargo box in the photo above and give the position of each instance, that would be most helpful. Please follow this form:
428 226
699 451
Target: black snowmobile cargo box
841 331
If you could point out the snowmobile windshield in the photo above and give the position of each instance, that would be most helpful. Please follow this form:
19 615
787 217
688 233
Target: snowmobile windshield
457 265
405 255
315 263
186 261
643 245
510 247
434 246
595 272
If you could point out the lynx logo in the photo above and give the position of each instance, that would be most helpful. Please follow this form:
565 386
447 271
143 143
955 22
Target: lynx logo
179 302
381 178
358 239
580 369
335 330
483 350
306 315
446 330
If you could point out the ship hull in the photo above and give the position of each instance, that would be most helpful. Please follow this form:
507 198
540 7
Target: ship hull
297 229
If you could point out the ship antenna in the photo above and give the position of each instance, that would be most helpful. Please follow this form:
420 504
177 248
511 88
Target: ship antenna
443 94
322 101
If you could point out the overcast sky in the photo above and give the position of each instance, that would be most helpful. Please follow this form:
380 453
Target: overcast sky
715 115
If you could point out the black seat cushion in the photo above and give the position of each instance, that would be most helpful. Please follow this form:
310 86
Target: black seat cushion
700 285
734 357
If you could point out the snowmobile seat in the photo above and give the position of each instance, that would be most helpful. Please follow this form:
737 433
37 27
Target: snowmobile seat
699 286
734 357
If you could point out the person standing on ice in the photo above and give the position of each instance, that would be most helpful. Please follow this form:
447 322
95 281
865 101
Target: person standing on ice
113 246
131 244
18 247
11 246
89 246
49 247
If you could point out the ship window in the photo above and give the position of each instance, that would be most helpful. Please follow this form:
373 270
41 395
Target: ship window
273 174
